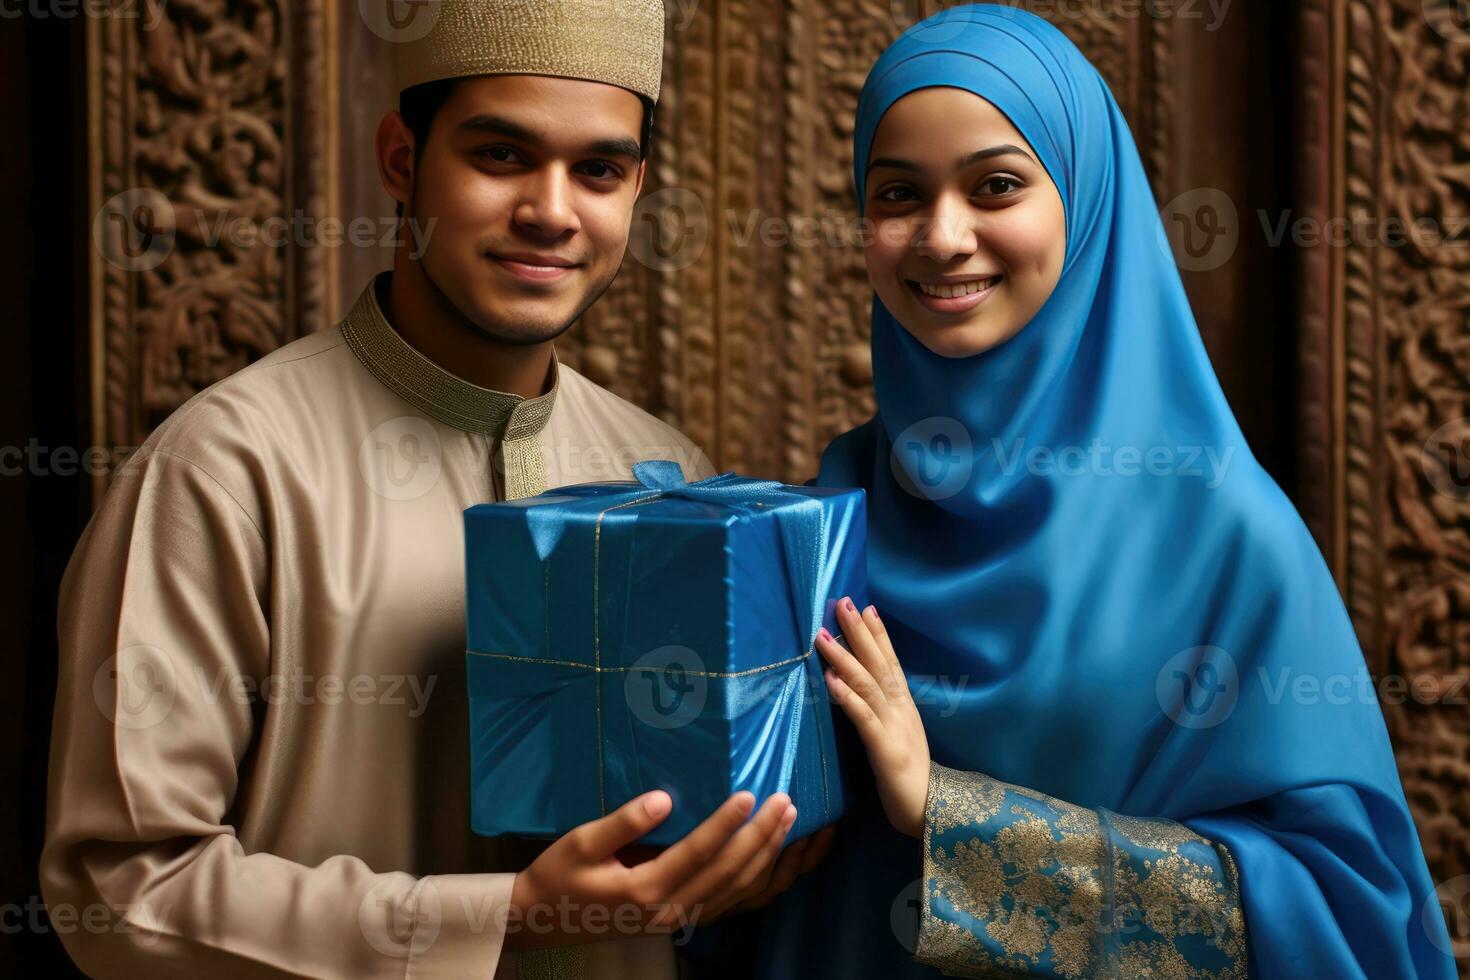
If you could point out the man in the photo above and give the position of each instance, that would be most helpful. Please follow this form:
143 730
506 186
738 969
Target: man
260 753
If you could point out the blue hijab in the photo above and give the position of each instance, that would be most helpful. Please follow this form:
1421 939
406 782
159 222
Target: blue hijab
1103 597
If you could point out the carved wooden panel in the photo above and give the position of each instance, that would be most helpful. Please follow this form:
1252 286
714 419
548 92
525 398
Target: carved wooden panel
207 123
1386 378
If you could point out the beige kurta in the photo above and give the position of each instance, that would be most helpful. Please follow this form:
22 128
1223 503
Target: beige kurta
260 756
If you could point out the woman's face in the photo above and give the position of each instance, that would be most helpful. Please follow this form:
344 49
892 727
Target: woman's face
970 233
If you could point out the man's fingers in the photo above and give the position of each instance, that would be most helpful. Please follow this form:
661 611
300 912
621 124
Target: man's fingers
653 880
751 881
758 869
785 871
736 855
601 838
795 861
821 843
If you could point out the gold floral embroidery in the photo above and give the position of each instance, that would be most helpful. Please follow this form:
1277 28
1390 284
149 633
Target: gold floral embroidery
1017 882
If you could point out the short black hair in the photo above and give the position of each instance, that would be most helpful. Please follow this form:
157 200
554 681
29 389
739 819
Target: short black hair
419 104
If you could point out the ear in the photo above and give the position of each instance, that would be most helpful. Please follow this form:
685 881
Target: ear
394 145
638 184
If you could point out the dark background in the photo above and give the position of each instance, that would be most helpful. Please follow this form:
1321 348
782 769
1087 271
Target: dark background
42 388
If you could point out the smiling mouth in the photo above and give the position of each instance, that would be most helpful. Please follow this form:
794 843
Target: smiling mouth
534 268
956 296
954 290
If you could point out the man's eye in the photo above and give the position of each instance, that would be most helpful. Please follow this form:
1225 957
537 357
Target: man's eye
499 154
600 170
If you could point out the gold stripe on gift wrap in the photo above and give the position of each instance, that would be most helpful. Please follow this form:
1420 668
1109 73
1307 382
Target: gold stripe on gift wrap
650 670
597 629
598 669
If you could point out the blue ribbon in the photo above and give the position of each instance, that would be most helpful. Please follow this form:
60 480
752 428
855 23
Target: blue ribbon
801 519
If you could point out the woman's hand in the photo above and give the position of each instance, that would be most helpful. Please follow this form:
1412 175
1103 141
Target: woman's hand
870 686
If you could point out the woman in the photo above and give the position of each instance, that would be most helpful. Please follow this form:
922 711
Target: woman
1090 751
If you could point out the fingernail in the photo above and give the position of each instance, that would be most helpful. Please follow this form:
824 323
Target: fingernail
847 604
657 805
823 634
790 817
744 801
873 611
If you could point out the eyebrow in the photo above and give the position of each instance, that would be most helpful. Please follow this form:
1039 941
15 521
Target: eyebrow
995 151
612 146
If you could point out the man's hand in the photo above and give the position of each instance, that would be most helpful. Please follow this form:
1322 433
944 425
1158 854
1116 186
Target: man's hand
577 891
796 860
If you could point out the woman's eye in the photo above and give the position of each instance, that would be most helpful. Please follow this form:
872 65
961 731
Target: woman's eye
1007 185
898 195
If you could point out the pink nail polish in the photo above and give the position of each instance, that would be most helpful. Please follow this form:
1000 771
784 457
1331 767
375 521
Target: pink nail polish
874 611
847 604
823 634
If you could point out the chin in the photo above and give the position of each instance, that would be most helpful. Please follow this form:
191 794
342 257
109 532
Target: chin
962 340
522 326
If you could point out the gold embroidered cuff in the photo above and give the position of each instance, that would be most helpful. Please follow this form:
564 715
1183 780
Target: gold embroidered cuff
1020 883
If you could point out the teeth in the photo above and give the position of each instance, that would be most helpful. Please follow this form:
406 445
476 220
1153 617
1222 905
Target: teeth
952 289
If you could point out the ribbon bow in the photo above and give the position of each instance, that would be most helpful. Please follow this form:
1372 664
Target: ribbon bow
800 518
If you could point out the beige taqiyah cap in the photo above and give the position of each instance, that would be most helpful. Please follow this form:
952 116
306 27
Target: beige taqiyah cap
619 42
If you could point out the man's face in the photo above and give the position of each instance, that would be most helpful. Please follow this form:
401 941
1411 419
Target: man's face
529 182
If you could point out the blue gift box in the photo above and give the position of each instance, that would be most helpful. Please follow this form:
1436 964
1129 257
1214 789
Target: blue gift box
625 637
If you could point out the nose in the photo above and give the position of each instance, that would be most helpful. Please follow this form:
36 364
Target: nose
949 231
547 206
